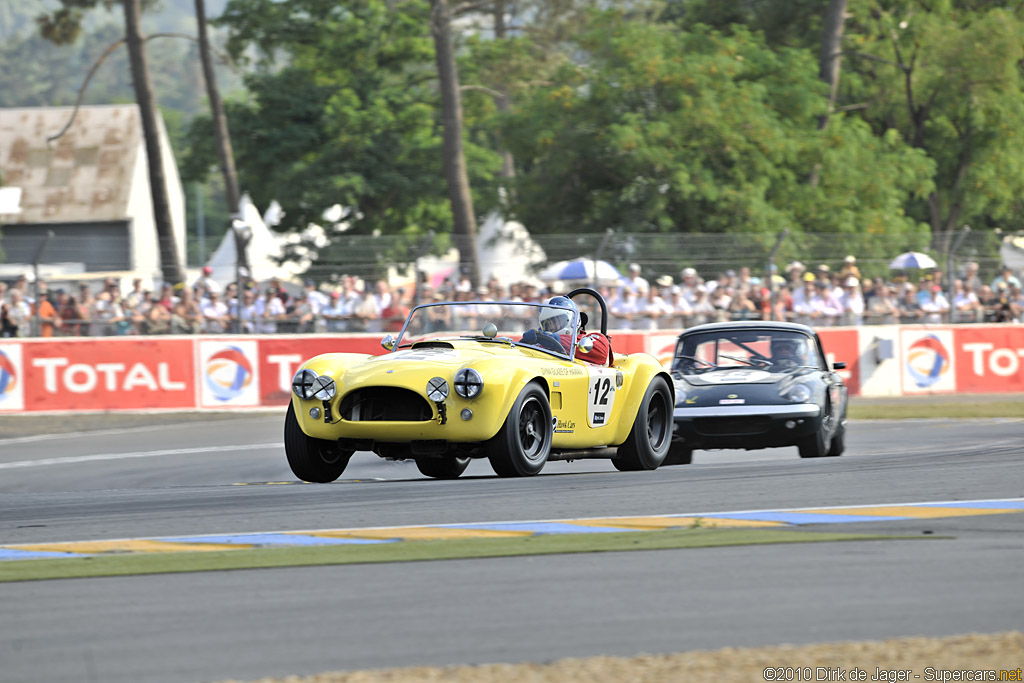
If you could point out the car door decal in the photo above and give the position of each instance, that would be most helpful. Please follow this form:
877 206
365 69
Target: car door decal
601 396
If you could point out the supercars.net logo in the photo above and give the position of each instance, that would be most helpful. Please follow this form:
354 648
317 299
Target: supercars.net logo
8 377
228 373
927 360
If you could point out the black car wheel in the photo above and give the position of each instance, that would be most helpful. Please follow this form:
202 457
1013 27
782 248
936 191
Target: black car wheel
315 460
678 454
442 468
838 441
817 445
648 442
522 446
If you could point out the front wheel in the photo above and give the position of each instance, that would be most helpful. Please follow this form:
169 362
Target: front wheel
522 445
442 468
816 445
678 454
648 442
314 460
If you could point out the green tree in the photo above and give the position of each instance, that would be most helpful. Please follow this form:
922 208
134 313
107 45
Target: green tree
343 109
947 76
663 130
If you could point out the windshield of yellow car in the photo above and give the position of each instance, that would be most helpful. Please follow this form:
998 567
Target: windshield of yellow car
513 322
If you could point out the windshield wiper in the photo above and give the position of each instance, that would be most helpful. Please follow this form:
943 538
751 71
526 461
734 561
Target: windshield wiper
699 360
741 360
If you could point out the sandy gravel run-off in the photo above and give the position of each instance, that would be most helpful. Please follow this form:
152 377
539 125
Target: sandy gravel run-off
935 659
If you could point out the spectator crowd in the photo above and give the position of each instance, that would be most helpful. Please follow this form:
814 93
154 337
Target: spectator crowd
820 297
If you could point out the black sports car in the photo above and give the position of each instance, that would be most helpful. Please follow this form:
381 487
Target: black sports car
756 385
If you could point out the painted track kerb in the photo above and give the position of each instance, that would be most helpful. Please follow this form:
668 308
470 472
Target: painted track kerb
792 517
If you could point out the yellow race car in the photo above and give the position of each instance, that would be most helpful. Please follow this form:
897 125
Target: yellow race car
517 383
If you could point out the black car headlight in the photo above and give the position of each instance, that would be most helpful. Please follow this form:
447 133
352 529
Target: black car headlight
302 384
797 393
468 383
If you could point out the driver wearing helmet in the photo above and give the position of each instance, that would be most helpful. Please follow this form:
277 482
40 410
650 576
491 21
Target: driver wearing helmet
788 351
556 323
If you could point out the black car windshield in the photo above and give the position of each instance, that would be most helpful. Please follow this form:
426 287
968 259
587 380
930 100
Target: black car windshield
540 326
773 350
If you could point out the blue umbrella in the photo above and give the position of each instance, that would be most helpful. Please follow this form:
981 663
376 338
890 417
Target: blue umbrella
912 260
581 270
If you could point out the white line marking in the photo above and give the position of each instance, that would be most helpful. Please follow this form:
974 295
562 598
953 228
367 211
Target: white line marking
105 432
139 454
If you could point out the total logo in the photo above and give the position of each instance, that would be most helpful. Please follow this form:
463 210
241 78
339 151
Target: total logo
229 373
8 380
928 361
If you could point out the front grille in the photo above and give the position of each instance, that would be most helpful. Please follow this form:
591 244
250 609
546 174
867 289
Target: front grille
732 426
385 404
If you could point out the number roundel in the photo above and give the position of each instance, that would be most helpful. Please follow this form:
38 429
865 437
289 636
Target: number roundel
601 397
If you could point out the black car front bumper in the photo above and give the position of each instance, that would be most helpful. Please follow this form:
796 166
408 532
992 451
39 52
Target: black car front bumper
745 426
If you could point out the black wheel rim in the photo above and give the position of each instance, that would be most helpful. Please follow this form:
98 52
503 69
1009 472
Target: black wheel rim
531 429
330 456
657 418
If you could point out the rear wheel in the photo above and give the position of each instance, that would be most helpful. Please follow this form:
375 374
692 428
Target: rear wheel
442 468
522 446
649 441
315 460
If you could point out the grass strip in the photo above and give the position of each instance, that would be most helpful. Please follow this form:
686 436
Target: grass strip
124 564
906 410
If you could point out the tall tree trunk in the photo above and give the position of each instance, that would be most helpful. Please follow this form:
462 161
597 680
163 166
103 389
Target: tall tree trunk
829 61
503 102
170 262
220 122
463 218
831 53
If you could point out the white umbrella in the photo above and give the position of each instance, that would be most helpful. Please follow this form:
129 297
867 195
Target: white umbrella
581 270
912 260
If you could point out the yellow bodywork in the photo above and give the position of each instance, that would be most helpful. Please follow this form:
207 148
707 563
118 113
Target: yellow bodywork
506 370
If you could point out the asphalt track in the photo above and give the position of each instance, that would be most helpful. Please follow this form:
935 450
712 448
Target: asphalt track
958 575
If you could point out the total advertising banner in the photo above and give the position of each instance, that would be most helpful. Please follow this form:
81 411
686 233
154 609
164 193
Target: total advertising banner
12 379
108 374
218 372
989 359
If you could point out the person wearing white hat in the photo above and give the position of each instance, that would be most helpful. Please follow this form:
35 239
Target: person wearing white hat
851 302
634 282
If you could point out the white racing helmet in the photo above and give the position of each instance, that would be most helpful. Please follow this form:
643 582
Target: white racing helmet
559 316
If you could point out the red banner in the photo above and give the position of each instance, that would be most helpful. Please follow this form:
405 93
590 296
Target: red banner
280 357
989 359
108 374
842 345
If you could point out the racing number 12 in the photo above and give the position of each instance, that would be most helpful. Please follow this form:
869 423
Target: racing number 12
601 388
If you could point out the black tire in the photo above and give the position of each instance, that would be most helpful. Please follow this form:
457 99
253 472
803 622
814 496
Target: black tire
649 441
816 445
522 445
838 442
314 460
442 468
678 454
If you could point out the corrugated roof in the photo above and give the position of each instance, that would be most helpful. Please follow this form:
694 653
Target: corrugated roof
85 175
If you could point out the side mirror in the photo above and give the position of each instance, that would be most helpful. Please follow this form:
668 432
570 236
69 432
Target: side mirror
388 343
841 365
585 345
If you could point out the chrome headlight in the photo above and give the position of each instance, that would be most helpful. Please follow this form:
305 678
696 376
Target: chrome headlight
468 383
324 388
302 384
437 389
798 393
